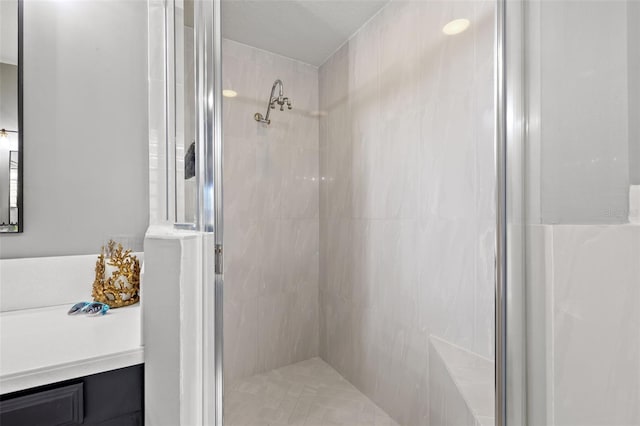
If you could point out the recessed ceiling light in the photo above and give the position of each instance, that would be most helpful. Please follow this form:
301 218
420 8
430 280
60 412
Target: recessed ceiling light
456 26
228 93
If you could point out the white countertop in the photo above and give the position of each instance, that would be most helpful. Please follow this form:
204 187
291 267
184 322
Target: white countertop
45 345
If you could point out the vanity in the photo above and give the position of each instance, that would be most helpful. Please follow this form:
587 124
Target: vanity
109 398
57 369
65 370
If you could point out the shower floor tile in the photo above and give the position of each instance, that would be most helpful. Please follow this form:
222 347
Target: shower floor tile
308 393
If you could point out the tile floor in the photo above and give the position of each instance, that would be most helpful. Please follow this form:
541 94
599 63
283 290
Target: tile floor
307 393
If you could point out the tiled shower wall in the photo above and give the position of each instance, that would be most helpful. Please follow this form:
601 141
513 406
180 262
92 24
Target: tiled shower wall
406 198
583 258
584 311
271 213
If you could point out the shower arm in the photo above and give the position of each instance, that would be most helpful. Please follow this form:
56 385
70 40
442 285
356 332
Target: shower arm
277 83
272 100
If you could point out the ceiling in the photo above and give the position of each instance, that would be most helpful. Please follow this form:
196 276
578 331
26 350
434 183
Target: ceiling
306 30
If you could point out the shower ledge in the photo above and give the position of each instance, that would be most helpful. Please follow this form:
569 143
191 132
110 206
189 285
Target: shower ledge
45 345
473 377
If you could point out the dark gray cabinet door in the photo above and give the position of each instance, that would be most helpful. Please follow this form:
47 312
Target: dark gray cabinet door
60 406
112 398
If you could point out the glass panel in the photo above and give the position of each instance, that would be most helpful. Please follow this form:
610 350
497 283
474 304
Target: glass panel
185 117
360 222
583 234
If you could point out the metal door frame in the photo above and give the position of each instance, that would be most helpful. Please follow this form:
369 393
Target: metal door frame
210 219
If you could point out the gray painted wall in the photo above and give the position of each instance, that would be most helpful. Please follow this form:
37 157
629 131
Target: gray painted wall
85 127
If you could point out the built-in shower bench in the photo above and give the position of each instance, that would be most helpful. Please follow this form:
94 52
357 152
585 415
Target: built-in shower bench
461 385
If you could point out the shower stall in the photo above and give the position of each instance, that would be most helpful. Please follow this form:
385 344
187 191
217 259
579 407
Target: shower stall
434 221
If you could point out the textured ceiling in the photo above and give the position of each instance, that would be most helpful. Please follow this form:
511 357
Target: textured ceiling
307 30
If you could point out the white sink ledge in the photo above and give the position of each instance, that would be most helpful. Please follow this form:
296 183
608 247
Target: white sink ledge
45 345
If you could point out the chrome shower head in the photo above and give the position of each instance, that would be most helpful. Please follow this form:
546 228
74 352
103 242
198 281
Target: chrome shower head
274 100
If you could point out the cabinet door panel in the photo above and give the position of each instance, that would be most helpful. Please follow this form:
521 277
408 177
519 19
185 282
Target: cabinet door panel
55 407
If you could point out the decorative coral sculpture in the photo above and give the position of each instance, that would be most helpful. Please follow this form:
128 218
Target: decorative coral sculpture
117 281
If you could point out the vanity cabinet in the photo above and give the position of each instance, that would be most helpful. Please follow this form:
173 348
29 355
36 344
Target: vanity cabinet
112 398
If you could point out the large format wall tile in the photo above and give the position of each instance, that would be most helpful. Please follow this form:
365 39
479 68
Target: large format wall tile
406 198
595 292
271 213
584 312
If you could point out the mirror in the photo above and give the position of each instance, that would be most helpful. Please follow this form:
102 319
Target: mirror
10 116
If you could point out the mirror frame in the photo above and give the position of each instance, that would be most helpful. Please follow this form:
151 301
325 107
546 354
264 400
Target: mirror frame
20 195
20 117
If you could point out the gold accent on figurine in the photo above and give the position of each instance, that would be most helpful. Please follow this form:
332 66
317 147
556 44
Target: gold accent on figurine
122 285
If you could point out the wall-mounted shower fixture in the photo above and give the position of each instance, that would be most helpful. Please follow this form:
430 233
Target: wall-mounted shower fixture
273 100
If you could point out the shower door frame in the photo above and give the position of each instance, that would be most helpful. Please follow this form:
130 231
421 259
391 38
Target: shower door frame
209 198
208 226
510 136
512 127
